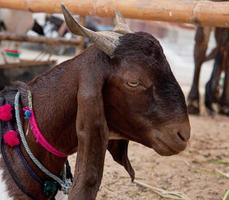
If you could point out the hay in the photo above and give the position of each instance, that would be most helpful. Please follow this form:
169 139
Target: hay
163 193
222 173
226 196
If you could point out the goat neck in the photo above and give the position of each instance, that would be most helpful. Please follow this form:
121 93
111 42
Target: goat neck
55 105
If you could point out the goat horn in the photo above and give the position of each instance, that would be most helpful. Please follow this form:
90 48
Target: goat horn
107 41
120 24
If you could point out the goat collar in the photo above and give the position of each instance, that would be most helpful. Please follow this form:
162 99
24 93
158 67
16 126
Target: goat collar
66 182
29 114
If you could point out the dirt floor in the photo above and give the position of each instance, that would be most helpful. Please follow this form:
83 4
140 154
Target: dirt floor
193 172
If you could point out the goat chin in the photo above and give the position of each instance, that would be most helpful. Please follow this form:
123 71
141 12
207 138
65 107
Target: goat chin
116 136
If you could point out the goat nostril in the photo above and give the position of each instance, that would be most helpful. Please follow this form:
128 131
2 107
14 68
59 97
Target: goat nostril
181 136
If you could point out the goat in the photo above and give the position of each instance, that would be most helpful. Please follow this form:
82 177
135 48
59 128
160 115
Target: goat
219 54
117 90
221 64
8 17
201 44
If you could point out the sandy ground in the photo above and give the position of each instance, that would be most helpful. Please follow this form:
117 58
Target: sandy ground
193 172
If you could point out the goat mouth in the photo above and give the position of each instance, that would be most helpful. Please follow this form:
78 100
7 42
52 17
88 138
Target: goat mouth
165 149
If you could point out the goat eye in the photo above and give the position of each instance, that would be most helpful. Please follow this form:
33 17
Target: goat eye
133 83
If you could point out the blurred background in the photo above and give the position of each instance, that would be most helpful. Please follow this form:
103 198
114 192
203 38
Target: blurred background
176 39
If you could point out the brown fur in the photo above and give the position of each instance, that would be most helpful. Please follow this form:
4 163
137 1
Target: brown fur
79 101
220 55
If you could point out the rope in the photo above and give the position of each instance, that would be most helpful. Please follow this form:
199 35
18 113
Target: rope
66 184
30 99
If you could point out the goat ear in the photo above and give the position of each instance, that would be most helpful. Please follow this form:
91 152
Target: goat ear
119 152
92 135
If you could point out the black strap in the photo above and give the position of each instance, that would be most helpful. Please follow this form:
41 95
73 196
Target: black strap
14 175
27 166
23 160
7 162
30 170
68 171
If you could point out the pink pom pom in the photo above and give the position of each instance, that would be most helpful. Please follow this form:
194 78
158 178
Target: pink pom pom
5 112
11 138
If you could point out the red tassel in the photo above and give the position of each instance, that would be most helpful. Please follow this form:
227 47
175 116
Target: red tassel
5 112
11 138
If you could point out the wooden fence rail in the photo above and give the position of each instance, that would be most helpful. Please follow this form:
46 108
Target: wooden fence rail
188 11
39 39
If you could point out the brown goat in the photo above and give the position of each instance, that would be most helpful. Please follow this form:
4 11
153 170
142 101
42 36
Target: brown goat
120 89
221 64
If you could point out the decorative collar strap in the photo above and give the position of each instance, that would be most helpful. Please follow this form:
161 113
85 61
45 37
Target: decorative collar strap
29 114
66 182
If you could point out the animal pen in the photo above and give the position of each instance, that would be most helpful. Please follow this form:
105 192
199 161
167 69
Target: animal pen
201 171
